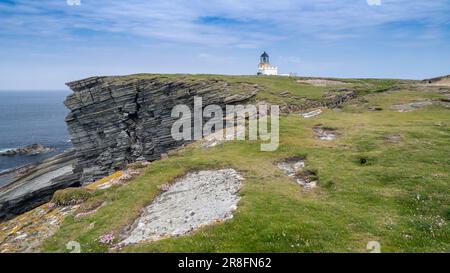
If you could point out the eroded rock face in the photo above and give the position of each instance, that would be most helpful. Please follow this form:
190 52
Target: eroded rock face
332 99
196 200
118 120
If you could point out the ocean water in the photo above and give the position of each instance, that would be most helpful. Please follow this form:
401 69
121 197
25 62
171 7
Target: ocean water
28 117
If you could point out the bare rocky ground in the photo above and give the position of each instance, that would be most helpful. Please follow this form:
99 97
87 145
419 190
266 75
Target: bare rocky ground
26 232
294 167
325 133
198 199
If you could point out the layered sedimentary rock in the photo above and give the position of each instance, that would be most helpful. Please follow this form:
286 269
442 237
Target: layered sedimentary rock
36 184
118 120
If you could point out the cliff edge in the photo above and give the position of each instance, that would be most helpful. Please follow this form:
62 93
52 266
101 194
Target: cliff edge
118 120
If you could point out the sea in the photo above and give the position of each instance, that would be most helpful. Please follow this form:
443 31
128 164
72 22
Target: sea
28 117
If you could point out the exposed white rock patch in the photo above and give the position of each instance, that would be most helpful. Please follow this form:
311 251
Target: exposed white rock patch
291 166
408 107
306 180
196 200
294 167
312 113
324 133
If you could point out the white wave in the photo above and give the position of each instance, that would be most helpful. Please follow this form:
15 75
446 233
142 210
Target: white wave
2 150
4 171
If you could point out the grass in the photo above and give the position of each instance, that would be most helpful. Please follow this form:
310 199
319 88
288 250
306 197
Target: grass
71 196
281 90
400 195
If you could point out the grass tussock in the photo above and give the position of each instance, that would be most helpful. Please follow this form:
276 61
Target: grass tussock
71 196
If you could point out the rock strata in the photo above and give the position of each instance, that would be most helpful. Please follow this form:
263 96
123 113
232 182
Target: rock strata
37 184
118 120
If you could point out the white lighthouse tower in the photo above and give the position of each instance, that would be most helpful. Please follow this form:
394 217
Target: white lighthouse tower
264 67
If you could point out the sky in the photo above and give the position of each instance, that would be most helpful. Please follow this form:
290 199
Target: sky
46 43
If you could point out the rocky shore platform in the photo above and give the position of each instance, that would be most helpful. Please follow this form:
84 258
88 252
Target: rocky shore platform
32 149
35 184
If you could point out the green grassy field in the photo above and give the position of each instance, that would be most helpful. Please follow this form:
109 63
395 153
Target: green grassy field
273 87
400 196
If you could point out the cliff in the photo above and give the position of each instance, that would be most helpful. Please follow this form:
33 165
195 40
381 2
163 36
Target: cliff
118 120
376 151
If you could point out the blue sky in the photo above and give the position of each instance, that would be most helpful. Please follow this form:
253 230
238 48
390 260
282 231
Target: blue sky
45 43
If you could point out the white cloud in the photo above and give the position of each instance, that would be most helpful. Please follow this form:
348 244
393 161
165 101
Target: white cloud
260 22
73 2
374 2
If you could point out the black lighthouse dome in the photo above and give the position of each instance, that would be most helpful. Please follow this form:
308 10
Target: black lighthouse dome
265 58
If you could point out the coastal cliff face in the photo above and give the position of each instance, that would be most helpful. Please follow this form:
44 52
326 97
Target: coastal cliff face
118 120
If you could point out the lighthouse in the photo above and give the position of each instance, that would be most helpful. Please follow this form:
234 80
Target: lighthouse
264 67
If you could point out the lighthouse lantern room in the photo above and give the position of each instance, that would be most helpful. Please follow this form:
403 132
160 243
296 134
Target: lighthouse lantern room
264 67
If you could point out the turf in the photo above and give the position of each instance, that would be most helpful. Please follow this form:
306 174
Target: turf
396 193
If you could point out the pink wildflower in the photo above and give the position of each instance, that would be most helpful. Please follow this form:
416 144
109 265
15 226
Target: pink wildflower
107 238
